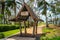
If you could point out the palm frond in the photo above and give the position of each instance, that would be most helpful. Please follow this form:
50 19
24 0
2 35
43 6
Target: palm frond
40 3
31 0
8 11
19 3
44 12
58 9
1 15
58 3
53 9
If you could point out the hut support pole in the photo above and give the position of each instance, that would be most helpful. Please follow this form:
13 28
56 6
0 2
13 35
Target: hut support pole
28 23
20 29
25 27
34 29
36 26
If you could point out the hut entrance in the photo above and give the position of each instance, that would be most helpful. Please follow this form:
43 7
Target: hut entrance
24 16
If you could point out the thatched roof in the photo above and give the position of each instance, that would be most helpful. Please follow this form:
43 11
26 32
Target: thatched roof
25 8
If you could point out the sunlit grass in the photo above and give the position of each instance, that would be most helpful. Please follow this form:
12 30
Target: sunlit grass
50 34
41 23
11 32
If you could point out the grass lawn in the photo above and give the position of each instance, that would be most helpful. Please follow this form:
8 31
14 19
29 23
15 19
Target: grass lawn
50 34
11 32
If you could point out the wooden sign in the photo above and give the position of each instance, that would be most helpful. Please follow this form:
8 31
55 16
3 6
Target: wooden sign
25 13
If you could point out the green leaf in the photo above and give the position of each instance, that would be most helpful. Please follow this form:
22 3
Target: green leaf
53 9
8 11
40 3
1 15
50 15
58 9
58 3
31 0
44 12
19 3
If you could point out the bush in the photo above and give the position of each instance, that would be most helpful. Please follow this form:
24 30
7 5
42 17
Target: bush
1 35
8 27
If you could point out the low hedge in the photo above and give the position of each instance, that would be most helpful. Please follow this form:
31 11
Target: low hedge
1 35
8 27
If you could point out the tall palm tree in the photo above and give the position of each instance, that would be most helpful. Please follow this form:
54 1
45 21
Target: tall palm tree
3 6
8 4
44 5
56 10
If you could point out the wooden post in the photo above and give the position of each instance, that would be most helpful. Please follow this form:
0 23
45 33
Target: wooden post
25 27
34 29
20 29
36 26
28 23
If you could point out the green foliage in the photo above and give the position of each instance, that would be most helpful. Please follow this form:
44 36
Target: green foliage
8 11
41 23
1 15
58 3
53 9
1 35
45 30
8 27
58 9
54 38
31 0
40 3
10 32
51 34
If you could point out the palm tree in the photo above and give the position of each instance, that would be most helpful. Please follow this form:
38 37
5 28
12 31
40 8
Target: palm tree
3 6
44 3
0 18
8 4
56 10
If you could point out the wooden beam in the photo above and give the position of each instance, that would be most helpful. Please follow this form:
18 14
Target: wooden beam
28 23
36 26
34 29
25 27
20 29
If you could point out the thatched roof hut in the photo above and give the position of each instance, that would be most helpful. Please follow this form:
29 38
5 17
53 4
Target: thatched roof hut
24 14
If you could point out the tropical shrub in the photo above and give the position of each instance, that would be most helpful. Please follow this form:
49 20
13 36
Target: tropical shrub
8 27
1 35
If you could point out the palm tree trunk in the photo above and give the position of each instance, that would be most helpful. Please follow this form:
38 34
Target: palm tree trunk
46 21
45 8
15 9
34 29
3 6
55 20
36 26
20 29
28 23
51 19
